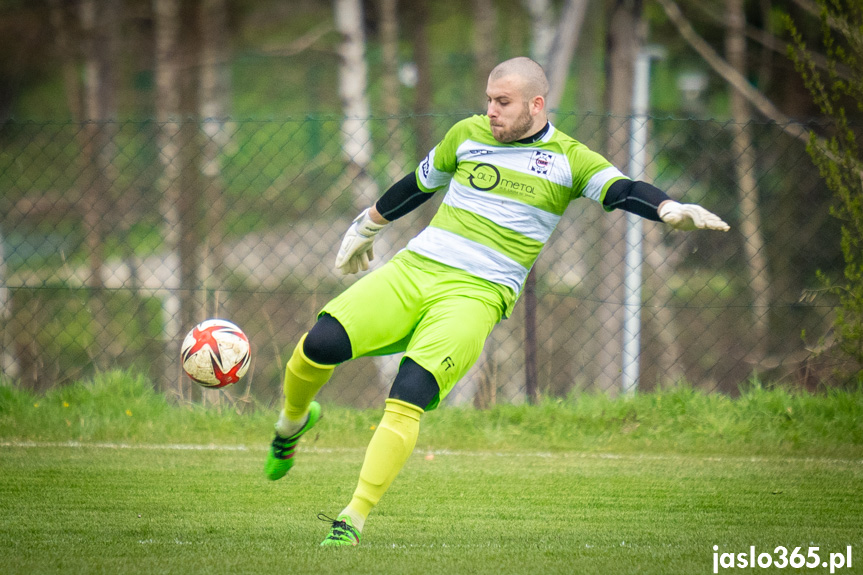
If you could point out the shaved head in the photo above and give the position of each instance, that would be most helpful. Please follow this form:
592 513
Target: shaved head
516 99
531 74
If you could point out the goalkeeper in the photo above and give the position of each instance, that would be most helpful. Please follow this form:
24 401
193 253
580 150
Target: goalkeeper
509 176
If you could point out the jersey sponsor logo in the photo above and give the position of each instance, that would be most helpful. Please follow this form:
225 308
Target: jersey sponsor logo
448 362
486 177
479 152
424 166
541 162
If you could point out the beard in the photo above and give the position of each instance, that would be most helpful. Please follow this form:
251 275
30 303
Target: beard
519 129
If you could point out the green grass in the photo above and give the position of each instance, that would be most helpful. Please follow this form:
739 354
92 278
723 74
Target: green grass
119 406
591 484
102 510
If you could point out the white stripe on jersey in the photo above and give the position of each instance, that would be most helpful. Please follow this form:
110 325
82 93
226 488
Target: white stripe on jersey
430 177
527 220
593 189
453 250
517 159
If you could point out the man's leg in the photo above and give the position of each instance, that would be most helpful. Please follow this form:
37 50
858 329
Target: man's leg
308 369
445 344
391 445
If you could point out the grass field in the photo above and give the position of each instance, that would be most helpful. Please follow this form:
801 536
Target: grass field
157 497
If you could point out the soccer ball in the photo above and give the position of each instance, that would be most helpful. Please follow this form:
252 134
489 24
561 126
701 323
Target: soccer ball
216 353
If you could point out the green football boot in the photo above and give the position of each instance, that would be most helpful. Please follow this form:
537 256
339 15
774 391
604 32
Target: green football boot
342 532
280 459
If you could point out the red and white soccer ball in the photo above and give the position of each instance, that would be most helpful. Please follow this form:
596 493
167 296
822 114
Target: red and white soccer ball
216 353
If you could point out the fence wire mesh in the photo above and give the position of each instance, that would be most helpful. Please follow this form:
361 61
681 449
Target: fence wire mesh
117 237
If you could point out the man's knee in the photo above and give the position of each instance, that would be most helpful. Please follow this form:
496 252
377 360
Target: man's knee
414 384
327 342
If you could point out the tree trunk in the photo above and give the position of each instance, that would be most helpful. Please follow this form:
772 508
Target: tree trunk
191 224
624 40
356 137
663 263
485 58
425 139
215 88
167 25
398 164
100 28
68 53
353 83
542 30
747 186
484 46
554 50
730 75
542 40
562 50
9 367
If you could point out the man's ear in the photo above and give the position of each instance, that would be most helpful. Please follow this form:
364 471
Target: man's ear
537 105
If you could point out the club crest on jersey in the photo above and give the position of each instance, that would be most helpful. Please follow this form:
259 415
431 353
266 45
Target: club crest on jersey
541 162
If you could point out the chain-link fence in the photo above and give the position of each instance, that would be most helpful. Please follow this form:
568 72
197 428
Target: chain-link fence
118 237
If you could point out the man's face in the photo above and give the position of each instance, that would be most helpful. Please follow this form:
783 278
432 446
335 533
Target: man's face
509 113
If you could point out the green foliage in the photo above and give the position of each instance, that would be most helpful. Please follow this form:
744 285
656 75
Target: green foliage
839 158
118 406
59 319
122 406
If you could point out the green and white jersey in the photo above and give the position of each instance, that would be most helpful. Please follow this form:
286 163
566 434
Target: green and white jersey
504 200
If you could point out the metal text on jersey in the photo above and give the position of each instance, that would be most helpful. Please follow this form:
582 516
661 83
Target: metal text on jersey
486 177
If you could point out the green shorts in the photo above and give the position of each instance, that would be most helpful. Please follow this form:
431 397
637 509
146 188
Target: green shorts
437 315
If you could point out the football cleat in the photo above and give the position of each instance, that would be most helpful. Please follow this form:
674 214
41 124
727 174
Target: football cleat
342 532
280 459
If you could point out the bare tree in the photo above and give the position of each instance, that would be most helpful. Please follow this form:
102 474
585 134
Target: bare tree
758 100
553 47
100 21
191 225
395 142
8 361
747 187
562 49
625 37
353 85
422 59
66 32
167 24
213 105
356 138
502 343
663 263
484 43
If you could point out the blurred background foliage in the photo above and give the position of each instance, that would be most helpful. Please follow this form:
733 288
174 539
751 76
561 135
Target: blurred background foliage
283 175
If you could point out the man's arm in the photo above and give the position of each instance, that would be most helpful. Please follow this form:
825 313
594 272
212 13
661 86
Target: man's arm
402 198
357 250
652 203
635 196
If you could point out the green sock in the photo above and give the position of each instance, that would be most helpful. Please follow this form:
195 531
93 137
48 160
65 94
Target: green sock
303 379
389 449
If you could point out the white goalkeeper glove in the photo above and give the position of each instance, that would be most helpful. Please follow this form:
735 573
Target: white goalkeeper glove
689 217
356 250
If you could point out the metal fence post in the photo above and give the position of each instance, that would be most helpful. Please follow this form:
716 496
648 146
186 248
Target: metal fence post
634 234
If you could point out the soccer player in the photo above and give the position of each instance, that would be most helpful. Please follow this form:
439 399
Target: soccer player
509 177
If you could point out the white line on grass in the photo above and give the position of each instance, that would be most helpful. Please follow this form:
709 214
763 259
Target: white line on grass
108 445
436 452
